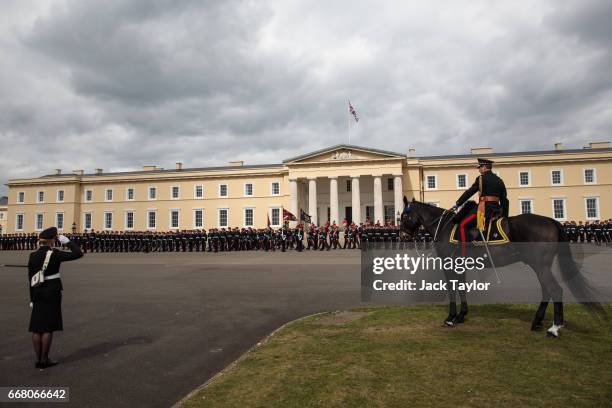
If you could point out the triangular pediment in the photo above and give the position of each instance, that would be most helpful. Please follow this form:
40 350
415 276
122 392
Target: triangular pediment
344 153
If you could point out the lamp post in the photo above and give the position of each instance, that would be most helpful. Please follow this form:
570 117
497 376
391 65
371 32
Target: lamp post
398 217
74 227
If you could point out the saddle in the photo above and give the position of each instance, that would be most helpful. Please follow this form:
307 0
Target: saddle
496 232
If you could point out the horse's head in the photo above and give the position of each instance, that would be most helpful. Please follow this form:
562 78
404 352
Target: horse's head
410 220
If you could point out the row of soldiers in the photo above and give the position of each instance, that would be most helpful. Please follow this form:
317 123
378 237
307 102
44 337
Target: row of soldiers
232 239
598 232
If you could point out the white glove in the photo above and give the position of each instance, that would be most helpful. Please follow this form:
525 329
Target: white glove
454 208
62 239
31 305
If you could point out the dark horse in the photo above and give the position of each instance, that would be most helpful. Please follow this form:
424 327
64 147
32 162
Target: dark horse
524 228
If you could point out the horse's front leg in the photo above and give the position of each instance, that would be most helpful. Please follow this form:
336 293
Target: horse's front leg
452 310
460 318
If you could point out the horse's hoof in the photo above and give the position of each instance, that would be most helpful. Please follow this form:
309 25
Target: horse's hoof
459 319
448 323
553 331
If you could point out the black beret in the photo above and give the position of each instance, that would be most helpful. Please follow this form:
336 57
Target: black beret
49 233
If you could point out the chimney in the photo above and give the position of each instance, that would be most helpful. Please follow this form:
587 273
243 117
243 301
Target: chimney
481 150
179 166
149 167
98 171
236 163
558 146
598 145
58 172
78 172
411 152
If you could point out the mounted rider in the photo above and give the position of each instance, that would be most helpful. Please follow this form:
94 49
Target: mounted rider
492 198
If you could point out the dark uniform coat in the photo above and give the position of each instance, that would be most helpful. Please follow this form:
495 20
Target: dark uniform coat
47 298
492 185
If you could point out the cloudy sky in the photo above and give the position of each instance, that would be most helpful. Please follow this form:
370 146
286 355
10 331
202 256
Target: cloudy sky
119 84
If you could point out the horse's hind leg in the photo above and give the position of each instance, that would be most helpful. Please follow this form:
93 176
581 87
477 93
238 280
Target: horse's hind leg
536 325
552 287
452 309
464 306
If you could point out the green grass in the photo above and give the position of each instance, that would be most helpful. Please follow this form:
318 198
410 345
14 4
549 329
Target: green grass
401 357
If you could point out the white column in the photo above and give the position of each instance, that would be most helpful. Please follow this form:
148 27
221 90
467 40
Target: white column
312 200
333 200
356 200
293 200
378 201
398 195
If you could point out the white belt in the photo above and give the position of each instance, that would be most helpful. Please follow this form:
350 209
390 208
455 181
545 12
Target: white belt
56 276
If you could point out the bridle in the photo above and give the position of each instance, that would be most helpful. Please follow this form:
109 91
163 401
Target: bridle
437 220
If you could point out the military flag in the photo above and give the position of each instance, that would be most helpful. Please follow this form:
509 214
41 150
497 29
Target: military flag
287 216
353 112
305 217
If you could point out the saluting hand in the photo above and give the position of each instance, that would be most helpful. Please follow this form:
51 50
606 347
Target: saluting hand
62 239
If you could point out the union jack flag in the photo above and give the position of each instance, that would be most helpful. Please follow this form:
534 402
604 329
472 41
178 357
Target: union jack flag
353 112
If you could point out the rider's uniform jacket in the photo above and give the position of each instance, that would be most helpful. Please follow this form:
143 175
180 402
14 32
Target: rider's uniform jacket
492 185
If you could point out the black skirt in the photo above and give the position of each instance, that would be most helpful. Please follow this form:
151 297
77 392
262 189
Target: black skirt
47 310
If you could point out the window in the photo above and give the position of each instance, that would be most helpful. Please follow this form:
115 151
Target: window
1 215
222 190
461 180
129 220
275 217
431 182
389 184
60 196
175 193
40 197
19 222
108 194
198 218
248 189
590 176
152 193
526 206
349 185
389 212
129 194
559 209
524 178
87 221
88 195
223 218
59 221
108 220
275 187
39 221
21 197
556 177
248 217
370 213
592 208
151 220
174 219
199 191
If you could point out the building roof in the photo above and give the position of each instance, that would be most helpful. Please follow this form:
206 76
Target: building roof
344 146
527 153
3 201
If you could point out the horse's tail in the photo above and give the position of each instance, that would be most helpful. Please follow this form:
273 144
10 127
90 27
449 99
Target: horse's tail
576 281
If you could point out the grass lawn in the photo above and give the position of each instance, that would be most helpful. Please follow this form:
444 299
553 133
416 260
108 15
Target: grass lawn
401 357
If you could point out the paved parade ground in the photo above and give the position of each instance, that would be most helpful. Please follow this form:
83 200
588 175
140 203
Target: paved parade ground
146 329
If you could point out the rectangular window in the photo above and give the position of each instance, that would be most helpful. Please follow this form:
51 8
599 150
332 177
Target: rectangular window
431 182
175 193
19 222
129 220
199 191
108 195
592 208
198 218
559 208
40 197
21 197
556 177
40 221
108 220
349 185
523 178
461 180
152 193
370 213
59 221
129 195
389 213
88 195
222 190
526 207
248 189
223 218
60 196
390 184
589 176
151 219
275 217
174 219
276 188
87 221
248 217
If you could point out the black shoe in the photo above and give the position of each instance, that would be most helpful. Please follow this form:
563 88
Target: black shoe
48 363
38 364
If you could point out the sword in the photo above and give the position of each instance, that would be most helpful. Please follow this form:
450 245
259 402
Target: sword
489 255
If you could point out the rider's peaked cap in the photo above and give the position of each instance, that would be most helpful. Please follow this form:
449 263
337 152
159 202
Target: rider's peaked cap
49 233
485 162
